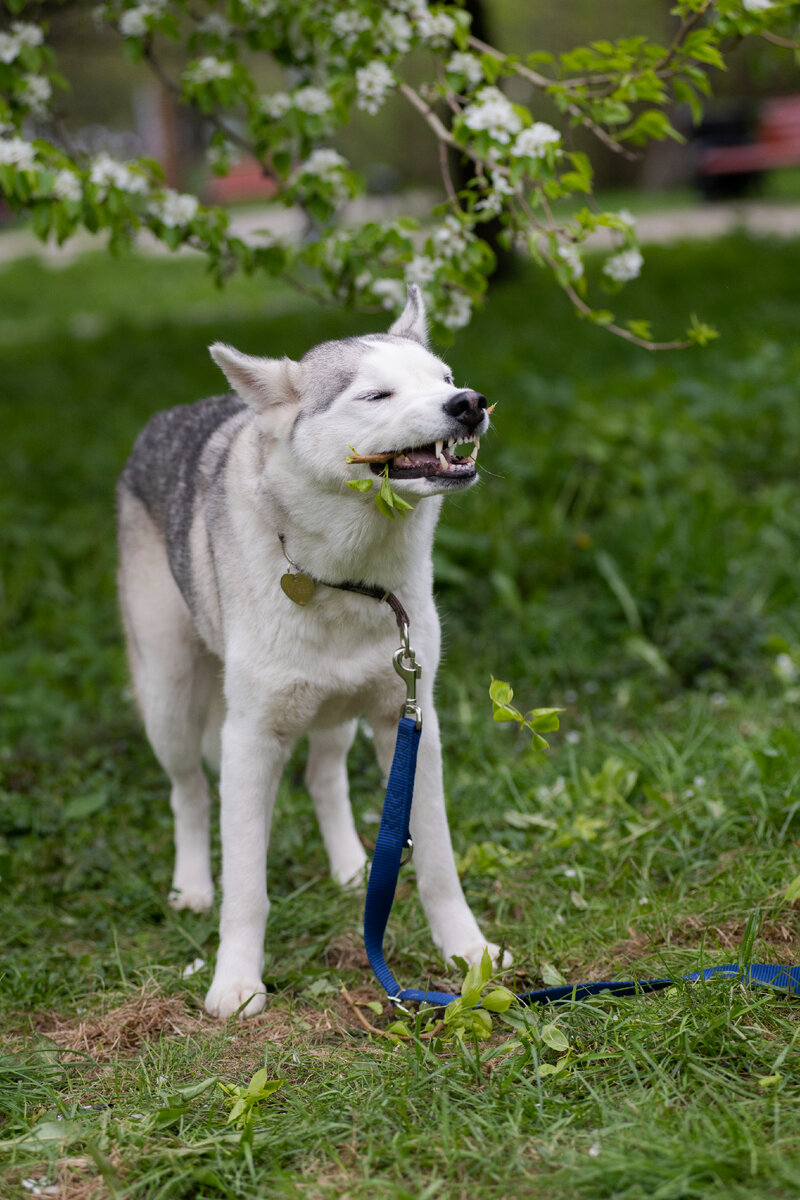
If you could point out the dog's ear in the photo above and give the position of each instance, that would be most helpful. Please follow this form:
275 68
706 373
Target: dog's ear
260 382
412 323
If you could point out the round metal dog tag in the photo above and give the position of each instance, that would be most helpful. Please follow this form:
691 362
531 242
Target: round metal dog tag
299 588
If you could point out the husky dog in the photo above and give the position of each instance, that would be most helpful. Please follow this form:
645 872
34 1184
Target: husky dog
214 499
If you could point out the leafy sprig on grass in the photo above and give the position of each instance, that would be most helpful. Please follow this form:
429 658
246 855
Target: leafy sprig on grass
243 1101
537 721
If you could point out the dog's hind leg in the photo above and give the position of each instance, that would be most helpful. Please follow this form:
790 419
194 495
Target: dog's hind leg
212 733
174 677
326 779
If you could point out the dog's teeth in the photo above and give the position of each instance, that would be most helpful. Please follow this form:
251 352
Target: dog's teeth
475 448
443 463
451 446
439 449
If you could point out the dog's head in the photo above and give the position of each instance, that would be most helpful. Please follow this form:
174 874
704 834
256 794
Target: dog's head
384 398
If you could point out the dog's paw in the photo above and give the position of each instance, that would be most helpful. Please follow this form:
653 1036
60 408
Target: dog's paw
474 953
198 899
226 996
353 876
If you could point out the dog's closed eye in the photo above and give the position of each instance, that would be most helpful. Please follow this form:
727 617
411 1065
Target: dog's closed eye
376 396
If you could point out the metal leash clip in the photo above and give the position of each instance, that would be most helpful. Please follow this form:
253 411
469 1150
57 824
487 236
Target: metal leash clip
409 670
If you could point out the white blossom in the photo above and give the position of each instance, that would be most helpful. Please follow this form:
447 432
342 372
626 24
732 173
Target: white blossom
394 34
624 266
467 65
323 162
261 8
207 69
327 165
785 668
192 968
501 184
492 112
175 209
37 93
16 152
275 105
10 47
449 238
133 22
348 24
626 216
573 737
390 292
107 172
373 83
420 270
491 205
217 24
436 29
570 255
533 142
757 6
27 34
458 311
67 186
312 100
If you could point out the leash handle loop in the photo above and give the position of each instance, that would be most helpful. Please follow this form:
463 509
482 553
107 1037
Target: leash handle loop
394 836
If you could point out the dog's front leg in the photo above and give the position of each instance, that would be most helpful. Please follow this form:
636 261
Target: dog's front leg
252 761
453 926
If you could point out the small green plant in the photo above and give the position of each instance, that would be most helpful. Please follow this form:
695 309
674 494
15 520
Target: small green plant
243 1101
537 721
387 500
470 1014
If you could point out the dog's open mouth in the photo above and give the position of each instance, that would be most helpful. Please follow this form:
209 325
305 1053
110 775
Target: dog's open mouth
437 460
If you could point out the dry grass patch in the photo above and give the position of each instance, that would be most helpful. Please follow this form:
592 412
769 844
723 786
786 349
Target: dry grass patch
70 1178
143 1017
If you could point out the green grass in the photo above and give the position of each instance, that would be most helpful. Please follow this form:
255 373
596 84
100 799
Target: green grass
631 555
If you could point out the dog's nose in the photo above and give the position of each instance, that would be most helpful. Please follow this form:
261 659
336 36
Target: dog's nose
467 407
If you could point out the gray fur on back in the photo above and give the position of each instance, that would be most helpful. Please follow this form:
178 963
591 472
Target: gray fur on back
162 471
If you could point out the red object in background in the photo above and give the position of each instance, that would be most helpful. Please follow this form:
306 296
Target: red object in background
776 142
244 181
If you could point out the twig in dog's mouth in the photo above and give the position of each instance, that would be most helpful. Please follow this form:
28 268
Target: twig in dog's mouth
436 459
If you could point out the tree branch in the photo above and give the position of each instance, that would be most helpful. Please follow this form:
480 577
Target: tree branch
574 110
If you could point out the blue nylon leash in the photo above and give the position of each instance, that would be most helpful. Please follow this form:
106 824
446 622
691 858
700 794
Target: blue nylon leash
394 838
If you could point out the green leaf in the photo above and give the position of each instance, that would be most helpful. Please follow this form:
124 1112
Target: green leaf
499 999
503 712
85 806
554 1038
500 692
551 975
360 485
792 892
544 720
